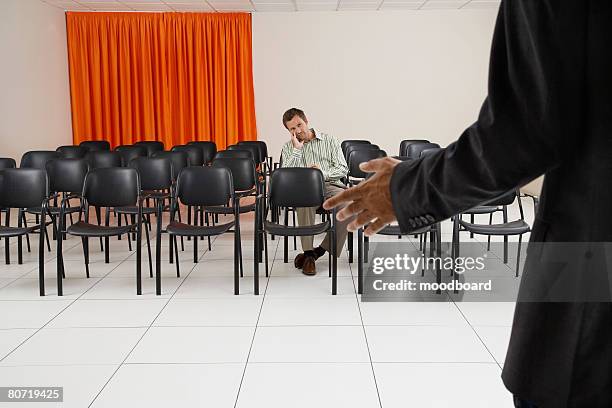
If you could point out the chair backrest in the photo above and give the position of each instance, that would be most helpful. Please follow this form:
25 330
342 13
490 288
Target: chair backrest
152 146
253 150
244 154
351 142
103 159
72 152
67 175
178 160
22 188
204 186
360 156
403 148
130 152
95 145
263 147
352 148
38 159
506 199
7 163
242 170
112 187
209 149
195 156
414 149
297 187
256 152
155 172
430 151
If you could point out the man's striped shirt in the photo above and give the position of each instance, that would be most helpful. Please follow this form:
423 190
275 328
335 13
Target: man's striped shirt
324 151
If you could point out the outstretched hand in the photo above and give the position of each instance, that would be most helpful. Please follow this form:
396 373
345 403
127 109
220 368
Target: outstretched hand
370 200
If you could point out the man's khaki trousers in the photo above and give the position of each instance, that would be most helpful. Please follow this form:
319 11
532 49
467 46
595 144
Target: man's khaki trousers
306 216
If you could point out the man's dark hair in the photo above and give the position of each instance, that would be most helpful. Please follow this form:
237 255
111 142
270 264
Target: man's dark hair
291 113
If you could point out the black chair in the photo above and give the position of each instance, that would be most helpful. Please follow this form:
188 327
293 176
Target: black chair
263 152
72 152
351 142
413 151
129 153
244 180
6 163
241 153
356 157
38 159
505 229
65 177
209 149
23 188
295 187
195 156
203 187
254 149
95 145
101 159
352 148
151 146
403 148
107 187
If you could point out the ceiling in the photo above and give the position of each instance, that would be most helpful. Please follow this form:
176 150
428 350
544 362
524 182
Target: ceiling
268 5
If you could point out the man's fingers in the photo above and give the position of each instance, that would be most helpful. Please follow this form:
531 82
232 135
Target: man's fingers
344 197
375 165
362 219
374 227
348 211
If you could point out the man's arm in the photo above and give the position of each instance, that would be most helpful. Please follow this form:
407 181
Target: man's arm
339 168
528 124
291 156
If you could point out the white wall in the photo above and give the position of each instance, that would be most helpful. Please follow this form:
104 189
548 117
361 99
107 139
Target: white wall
34 85
385 76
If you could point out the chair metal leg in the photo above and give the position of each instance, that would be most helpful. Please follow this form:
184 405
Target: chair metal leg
147 224
19 241
158 249
61 273
139 254
25 224
472 221
294 237
107 239
236 262
85 242
182 240
256 245
207 224
99 219
189 218
489 237
41 254
178 269
334 263
518 255
349 247
7 252
286 240
195 249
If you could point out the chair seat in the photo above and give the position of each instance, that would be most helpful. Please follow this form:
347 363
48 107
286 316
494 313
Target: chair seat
230 210
53 210
186 230
509 228
285 230
7 232
395 230
482 209
85 229
134 210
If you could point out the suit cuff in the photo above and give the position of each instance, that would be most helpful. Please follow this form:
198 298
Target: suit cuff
408 207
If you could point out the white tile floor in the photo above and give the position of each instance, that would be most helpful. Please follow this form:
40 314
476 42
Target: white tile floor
199 345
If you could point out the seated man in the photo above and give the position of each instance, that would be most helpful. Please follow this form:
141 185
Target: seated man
311 148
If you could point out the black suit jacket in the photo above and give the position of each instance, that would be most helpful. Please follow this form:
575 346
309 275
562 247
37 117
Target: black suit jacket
548 111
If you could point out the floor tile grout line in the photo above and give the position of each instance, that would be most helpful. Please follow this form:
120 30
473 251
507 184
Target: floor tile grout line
365 335
147 328
267 280
477 335
60 312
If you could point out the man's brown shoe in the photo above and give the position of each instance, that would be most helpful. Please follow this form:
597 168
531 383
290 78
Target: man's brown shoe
298 262
309 267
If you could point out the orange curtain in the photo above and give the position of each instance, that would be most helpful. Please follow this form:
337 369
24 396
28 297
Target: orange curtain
172 77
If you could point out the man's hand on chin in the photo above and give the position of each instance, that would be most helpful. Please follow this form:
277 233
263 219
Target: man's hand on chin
370 200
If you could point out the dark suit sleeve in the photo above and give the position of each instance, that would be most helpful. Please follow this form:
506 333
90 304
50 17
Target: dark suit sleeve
528 124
